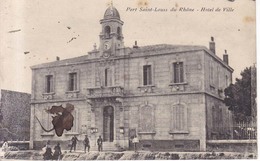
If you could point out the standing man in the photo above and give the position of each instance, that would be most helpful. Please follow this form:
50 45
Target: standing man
135 141
57 152
74 143
99 143
86 143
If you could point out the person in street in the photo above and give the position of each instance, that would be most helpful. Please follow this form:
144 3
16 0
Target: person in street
74 143
57 152
48 144
48 153
5 146
99 143
86 143
135 141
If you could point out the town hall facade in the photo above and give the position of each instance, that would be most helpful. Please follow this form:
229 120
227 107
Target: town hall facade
169 96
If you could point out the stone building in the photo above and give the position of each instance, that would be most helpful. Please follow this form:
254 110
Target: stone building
14 115
170 96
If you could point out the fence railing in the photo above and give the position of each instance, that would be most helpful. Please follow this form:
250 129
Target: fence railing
245 130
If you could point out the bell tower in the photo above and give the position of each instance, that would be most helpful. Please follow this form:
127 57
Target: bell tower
111 36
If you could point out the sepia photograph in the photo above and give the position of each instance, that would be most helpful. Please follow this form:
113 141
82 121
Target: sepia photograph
128 80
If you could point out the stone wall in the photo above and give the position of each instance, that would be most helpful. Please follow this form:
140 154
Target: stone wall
15 108
162 95
233 147
163 115
167 145
219 119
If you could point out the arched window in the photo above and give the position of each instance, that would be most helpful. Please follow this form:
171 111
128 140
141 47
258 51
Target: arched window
46 121
217 118
75 122
214 118
107 31
179 118
118 32
146 118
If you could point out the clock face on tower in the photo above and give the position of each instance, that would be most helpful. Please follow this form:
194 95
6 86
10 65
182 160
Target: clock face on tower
107 45
106 49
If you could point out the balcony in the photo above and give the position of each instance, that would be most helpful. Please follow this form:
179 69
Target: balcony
105 92
48 96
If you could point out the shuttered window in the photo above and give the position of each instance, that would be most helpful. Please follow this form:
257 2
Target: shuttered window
146 119
49 84
179 118
147 75
72 81
178 72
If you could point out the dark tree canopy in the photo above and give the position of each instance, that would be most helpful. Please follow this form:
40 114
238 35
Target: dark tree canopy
238 96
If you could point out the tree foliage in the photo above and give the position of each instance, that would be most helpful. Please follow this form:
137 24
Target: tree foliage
238 96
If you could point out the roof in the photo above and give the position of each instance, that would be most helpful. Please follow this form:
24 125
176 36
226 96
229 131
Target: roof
167 48
111 12
61 62
146 50
176 48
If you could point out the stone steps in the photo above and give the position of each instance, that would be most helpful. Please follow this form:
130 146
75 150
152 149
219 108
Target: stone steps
107 146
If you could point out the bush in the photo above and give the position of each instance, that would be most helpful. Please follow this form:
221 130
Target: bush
13 148
221 154
175 157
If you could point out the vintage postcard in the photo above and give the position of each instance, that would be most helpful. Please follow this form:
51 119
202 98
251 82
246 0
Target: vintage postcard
128 79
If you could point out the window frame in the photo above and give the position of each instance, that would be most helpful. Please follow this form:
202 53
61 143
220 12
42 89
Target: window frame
46 120
49 83
147 75
107 32
72 81
176 109
75 128
108 77
212 73
77 72
171 75
140 121
52 89
178 67
141 74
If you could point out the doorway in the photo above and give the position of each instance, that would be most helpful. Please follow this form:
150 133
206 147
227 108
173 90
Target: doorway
108 124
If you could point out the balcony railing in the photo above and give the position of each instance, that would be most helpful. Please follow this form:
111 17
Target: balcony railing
104 92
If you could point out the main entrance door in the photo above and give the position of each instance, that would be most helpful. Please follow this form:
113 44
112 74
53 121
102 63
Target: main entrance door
108 124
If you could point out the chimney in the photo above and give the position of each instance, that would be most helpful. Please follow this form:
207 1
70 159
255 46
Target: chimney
57 58
225 57
135 46
212 46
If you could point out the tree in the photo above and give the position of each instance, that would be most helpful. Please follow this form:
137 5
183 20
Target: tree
238 96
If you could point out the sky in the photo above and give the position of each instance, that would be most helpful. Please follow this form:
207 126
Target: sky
35 31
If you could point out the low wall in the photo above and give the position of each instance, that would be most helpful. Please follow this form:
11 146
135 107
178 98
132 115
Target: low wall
167 145
22 145
246 146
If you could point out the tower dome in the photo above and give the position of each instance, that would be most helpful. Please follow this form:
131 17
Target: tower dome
111 12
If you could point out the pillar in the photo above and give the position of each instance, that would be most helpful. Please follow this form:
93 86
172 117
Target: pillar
32 126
